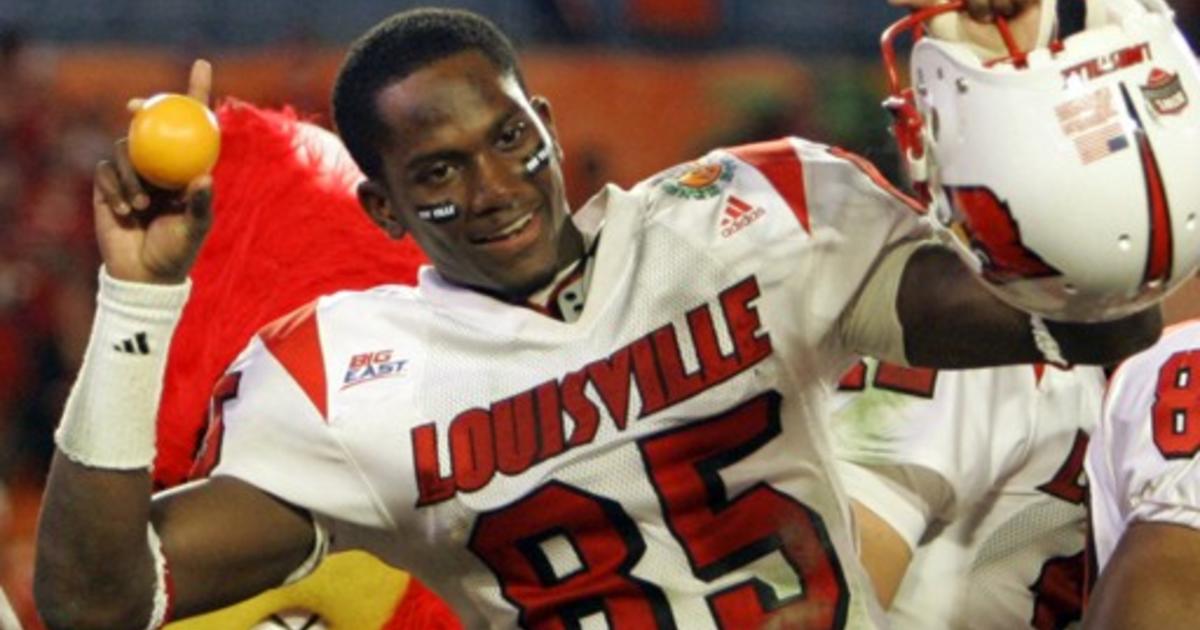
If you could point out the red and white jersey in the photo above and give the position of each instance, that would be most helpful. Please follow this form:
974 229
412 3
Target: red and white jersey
1142 464
980 471
662 462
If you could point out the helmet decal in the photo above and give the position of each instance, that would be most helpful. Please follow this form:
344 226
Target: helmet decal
1063 171
1093 122
1164 91
991 231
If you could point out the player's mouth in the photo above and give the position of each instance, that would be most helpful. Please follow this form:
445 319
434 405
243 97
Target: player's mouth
512 236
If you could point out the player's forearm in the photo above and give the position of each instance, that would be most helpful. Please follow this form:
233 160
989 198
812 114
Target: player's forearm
94 568
1150 581
95 562
951 321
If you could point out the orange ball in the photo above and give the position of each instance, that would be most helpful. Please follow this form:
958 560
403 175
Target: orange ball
173 139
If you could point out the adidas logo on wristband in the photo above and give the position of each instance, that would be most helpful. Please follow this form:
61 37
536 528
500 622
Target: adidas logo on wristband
136 344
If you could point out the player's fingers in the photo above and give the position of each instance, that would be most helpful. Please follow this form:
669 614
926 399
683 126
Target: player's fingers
1004 8
106 189
200 81
980 10
199 200
133 191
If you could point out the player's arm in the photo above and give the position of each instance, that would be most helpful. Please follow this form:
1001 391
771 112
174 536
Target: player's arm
98 564
883 552
220 541
951 321
1151 580
894 506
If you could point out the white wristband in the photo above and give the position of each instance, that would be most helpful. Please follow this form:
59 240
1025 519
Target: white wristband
109 420
1045 342
320 549
161 611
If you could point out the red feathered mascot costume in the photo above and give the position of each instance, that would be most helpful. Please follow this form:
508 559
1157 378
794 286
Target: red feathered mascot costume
288 228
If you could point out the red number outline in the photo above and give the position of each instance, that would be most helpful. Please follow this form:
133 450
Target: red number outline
683 465
913 381
1175 400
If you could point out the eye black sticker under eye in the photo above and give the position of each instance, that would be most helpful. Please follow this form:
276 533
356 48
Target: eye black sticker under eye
538 160
439 213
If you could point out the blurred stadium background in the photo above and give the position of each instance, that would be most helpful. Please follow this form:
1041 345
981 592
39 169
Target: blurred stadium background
637 84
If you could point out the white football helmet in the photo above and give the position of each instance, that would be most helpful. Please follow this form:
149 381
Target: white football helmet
1066 176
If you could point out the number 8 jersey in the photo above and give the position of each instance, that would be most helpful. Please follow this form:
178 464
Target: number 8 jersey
1141 464
663 461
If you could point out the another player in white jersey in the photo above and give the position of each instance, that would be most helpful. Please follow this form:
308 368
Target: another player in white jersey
968 487
612 418
1145 489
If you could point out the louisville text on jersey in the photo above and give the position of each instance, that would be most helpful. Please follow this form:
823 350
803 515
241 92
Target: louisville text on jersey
515 433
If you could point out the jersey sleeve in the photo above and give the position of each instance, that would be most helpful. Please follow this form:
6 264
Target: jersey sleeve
927 436
1145 459
267 430
907 497
849 219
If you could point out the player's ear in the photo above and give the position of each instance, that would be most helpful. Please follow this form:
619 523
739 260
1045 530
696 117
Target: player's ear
542 106
374 198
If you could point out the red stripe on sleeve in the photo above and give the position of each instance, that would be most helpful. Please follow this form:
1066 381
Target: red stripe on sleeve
872 172
778 162
295 341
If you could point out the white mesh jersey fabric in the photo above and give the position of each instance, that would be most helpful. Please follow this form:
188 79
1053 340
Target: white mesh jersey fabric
661 462
1005 550
1142 462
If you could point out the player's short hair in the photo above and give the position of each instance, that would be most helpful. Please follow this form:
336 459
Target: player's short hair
391 51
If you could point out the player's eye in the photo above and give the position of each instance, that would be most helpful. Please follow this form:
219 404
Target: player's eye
512 134
434 173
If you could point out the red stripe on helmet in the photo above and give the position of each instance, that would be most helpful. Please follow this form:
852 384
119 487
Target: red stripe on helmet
1161 250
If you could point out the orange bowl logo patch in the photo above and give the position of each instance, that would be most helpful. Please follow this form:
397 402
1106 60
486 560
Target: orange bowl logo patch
699 180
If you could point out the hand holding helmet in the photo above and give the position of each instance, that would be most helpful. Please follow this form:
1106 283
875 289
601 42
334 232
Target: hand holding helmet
1063 175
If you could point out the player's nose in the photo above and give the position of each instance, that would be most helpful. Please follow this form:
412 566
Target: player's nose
498 183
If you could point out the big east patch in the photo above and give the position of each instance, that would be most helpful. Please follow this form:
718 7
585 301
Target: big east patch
371 366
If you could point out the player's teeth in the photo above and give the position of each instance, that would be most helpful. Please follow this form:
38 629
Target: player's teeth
513 228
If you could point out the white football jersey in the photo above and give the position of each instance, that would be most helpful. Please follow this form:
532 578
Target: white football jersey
1142 463
980 471
662 462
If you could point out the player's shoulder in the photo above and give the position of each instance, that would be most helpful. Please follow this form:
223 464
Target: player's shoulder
360 304
298 340
809 176
1180 338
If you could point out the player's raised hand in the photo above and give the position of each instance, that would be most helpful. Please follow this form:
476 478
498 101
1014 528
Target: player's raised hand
982 10
148 234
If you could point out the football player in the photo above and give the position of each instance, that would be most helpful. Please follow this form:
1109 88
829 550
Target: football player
1145 493
967 489
613 416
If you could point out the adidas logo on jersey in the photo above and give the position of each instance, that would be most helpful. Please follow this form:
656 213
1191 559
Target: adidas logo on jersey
371 366
738 215
136 344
